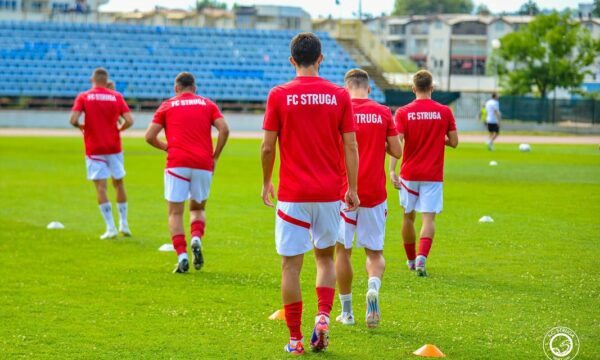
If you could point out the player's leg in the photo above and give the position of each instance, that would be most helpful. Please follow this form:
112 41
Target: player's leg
106 209
198 223
116 166
199 190
291 266
370 235
122 205
178 235
343 265
409 238
325 233
426 238
292 240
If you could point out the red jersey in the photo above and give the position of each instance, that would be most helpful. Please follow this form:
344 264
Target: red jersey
424 124
187 120
310 114
374 124
102 108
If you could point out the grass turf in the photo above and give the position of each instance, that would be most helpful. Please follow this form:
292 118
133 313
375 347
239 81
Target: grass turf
494 289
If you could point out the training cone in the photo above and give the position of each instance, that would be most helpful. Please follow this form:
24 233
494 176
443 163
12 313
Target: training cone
278 315
429 350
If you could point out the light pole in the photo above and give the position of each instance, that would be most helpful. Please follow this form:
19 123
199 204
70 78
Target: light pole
495 46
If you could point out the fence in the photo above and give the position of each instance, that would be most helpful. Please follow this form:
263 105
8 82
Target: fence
398 98
583 111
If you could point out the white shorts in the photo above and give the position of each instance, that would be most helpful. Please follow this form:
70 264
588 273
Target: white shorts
187 183
301 226
101 167
422 196
367 223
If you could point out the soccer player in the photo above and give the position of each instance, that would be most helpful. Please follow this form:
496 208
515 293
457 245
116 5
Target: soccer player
426 127
492 110
376 132
187 119
311 118
104 157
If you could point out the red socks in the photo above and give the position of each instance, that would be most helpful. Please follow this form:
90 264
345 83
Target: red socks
293 319
410 251
198 228
325 296
424 246
179 243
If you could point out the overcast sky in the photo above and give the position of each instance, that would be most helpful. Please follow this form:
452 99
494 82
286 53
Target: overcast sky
327 7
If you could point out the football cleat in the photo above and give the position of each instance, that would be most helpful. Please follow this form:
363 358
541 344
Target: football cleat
410 264
295 349
373 313
197 253
420 266
124 230
345 318
320 335
182 267
109 234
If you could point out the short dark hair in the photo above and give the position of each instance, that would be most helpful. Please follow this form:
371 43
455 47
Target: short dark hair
100 76
357 78
185 80
423 80
305 48
494 95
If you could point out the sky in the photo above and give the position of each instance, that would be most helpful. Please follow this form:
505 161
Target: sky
316 8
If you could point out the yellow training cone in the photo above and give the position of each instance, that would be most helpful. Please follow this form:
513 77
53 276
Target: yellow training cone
278 315
429 350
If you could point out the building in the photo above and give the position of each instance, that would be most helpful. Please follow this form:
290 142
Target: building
206 17
272 17
46 9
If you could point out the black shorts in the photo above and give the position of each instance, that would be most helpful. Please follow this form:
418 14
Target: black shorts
493 128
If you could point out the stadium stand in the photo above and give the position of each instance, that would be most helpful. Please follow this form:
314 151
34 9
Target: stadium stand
55 60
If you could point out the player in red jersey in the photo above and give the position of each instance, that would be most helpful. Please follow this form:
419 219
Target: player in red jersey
187 120
376 132
310 117
103 154
426 127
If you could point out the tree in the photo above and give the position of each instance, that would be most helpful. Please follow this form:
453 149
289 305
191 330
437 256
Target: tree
596 11
215 4
552 51
426 7
529 8
482 9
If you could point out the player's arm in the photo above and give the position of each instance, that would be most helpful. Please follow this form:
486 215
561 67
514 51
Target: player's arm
452 139
267 157
394 178
393 146
127 121
223 129
74 120
351 159
152 136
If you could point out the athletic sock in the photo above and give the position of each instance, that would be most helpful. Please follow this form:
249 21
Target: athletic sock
346 300
198 228
179 244
106 210
410 251
424 246
293 319
122 213
325 296
182 256
374 283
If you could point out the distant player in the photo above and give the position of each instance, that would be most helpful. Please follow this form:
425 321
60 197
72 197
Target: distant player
310 117
376 132
187 120
426 127
492 111
104 156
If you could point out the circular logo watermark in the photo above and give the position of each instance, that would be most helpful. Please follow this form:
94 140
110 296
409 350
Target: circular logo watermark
561 343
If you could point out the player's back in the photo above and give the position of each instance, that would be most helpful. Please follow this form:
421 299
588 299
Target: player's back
424 123
187 120
309 113
102 108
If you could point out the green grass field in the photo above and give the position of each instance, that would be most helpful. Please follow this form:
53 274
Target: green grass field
494 289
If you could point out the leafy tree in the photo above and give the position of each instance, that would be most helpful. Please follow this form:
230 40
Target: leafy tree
552 51
482 9
215 4
425 7
529 8
596 11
